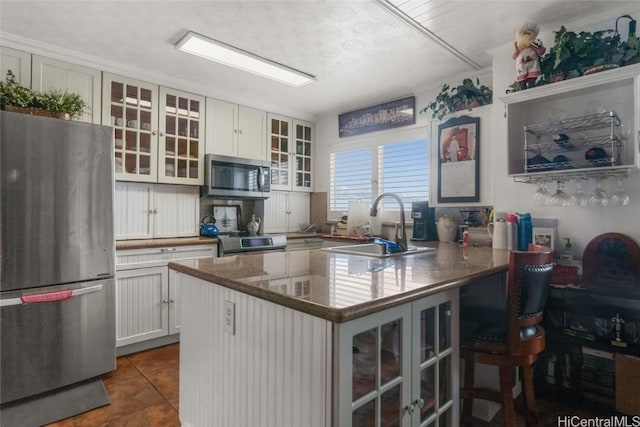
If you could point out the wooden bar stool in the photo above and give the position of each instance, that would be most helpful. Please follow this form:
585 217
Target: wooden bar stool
509 337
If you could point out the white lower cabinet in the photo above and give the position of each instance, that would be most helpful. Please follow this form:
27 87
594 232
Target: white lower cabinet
147 294
396 367
284 211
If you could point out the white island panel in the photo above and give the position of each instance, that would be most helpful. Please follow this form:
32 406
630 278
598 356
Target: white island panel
273 370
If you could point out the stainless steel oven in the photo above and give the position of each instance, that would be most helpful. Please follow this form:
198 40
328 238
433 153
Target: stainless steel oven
231 177
235 245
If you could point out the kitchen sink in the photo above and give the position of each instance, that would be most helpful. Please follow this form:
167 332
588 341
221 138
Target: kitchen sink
376 250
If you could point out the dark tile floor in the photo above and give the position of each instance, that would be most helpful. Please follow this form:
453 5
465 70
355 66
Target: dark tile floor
144 392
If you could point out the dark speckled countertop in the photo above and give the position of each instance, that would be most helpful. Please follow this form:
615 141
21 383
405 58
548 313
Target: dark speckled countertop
345 287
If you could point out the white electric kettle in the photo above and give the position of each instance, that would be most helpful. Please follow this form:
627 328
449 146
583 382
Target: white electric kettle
447 228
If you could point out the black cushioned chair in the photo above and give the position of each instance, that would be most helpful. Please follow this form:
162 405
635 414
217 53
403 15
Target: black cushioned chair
508 336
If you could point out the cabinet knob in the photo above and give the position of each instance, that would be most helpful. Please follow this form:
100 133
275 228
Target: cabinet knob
410 408
154 132
153 211
239 130
164 301
174 300
161 133
419 402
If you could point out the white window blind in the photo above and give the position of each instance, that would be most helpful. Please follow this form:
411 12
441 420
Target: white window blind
362 173
404 170
350 177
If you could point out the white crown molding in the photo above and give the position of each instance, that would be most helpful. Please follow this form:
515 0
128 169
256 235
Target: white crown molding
79 58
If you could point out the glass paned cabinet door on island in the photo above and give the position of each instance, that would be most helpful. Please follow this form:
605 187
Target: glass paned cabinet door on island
133 115
435 360
181 137
374 373
377 379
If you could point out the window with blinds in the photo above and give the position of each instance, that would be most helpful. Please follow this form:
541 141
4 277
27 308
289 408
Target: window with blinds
363 173
351 177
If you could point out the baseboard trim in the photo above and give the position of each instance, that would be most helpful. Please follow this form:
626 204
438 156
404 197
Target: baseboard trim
147 345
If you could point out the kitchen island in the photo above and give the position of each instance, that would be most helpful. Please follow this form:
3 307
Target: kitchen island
318 339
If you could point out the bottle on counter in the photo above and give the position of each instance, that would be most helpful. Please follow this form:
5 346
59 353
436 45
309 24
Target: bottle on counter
525 227
512 232
567 252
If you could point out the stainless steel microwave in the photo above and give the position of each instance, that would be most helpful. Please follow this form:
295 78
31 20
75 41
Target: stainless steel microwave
235 178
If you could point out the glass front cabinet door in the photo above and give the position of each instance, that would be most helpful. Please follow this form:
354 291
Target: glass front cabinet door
303 157
131 108
395 367
158 132
291 153
181 137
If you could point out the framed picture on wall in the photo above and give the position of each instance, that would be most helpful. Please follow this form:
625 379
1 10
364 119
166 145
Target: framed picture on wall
458 160
227 218
544 236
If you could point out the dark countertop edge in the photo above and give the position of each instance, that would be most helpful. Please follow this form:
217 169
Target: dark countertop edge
157 243
335 315
195 240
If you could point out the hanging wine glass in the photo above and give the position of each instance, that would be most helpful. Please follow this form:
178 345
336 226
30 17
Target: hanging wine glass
620 197
579 198
599 196
541 196
560 197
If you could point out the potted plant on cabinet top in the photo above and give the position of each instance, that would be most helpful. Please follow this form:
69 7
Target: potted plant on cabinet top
464 96
53 103
577 54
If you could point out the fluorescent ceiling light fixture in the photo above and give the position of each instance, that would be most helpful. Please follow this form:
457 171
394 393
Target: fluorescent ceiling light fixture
214 50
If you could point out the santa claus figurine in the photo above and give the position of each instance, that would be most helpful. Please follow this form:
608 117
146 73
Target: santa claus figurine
527 53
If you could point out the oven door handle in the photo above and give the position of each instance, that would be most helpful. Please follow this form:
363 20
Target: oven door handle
50 296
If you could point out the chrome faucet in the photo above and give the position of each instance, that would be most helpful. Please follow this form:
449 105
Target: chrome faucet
401 236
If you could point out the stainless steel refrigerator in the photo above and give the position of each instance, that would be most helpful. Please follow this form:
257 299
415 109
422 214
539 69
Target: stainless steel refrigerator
57 257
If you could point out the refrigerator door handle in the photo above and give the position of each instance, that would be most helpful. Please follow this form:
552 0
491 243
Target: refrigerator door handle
50 296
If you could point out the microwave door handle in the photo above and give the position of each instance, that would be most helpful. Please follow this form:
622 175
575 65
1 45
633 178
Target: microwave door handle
260 178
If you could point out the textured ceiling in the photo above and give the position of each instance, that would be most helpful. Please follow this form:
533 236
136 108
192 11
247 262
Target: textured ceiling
359 51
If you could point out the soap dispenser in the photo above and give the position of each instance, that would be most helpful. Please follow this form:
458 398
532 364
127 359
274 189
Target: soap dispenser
567 252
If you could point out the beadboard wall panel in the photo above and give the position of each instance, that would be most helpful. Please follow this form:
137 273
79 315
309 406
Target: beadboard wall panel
281 379
178 211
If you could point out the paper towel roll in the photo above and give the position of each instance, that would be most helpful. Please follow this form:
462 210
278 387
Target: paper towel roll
358 215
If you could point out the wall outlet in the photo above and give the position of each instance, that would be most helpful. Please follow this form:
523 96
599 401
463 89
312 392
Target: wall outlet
230 317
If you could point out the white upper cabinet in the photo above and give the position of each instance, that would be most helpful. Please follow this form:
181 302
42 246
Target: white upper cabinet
235 130
158 132
146 211
50 74
18 62
291 153
285 211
